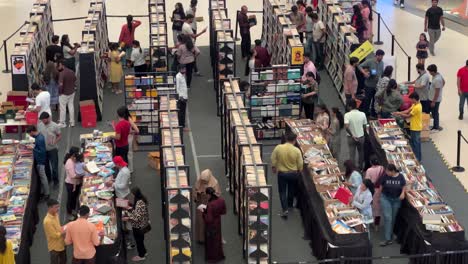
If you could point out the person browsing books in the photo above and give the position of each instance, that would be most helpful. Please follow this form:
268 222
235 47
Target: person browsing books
84 237
122 130
40 158
355 122
51 132
121 181
72 181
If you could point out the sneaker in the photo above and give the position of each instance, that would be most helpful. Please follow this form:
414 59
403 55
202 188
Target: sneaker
138 258
224 242
130 246
62 125
386 243
402 5
72 125
460 117
284 214
436 129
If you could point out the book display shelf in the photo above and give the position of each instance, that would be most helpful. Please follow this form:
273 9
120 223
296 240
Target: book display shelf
93 69
340 39
141 99
436 215
280 35
28 59
223 51
275 96
334 220
158 36
248 177
175 184
322 168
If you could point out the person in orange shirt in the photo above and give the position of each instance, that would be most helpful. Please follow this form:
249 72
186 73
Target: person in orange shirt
84 237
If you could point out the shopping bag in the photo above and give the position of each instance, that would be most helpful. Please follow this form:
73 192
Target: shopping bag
344 195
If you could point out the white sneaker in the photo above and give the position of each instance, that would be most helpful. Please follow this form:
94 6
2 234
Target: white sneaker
72 125
62 125
402 5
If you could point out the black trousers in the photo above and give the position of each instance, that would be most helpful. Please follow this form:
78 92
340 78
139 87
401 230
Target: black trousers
72 199
246 44
51 166
309 110
182 106
189 72
140 70
139 237
367 105
122 152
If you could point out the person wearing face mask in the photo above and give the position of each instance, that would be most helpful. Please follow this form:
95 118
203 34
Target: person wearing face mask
205 180
421 86
67 88
372 69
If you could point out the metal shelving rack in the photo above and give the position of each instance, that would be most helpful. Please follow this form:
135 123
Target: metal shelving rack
248 177
223 47
92 68
141 97
176 191
158 47
275 95
29 50
280 35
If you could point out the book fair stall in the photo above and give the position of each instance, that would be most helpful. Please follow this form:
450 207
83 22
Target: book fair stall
425 222
334 227
97 150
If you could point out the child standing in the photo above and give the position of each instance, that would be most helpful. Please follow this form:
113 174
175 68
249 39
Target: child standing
421 48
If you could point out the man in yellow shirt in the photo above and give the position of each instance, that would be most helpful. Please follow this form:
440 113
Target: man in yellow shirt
54 233
416 125
287 161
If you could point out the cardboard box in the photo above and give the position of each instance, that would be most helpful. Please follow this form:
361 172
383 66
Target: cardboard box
154 160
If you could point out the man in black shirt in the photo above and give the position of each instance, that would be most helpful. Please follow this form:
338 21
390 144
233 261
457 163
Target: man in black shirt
434 18
244 26
54 49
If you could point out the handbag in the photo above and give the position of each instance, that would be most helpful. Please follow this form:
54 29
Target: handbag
146 229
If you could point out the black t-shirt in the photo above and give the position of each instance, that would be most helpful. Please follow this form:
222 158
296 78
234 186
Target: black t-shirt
433 15
52 50
392 186
177 25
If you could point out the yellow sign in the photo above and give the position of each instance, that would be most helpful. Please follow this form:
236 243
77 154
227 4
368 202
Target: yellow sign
297 55
362 51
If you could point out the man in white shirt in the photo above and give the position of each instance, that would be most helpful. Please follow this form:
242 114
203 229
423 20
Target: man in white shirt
187 28
42 99
182 91
319 33
355 123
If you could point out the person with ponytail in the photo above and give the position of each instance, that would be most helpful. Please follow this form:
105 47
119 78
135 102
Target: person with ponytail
7 256
138 60
336 125
127 36
72 182
389 100
392 186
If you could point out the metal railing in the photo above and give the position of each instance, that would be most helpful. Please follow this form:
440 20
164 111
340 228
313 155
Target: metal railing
438 257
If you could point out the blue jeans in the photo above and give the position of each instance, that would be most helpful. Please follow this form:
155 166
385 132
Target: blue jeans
416 143
309 46
435 114
461 106
390 207
287 185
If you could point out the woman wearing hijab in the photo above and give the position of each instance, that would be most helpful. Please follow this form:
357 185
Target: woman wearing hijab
212 215
205 180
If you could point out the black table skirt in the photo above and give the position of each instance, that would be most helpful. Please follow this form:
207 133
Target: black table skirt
412 234
325 243
117 252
